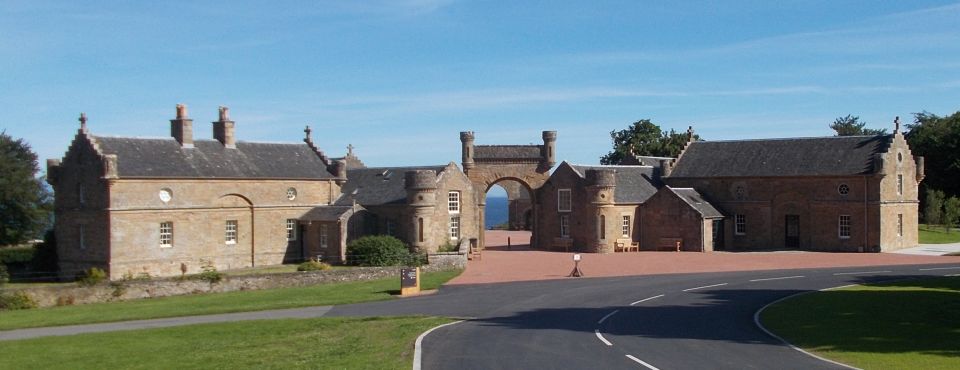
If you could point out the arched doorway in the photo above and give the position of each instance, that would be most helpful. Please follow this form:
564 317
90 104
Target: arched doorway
527 165
508 214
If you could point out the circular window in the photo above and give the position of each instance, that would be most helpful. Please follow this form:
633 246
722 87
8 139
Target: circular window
291 193
165 195
843 189
740 192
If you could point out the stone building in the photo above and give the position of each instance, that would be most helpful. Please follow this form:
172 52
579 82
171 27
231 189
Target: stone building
167 206
428 207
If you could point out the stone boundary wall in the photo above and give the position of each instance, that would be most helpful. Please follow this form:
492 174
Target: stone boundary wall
119 290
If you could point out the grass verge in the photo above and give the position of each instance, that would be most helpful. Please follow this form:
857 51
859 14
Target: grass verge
324 343
900 325
205 304
937 235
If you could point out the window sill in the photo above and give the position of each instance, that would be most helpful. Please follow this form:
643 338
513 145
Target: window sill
165 246
230 243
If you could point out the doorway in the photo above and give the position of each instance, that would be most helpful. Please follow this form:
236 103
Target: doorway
718 235
792 231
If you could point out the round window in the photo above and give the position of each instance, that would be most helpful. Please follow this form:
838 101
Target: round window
843 189
165 195
291 193
740 192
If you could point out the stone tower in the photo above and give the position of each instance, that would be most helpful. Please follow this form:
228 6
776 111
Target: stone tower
466 138
601 184
421 188
549 153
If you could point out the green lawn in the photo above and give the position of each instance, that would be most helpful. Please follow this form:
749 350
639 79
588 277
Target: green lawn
324 343
937 235
205 304
902 325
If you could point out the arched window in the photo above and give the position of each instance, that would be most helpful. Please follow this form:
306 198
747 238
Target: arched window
603 227
420 228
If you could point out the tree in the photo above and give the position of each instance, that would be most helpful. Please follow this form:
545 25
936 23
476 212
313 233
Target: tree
933 210
937 139
25 203
951 212
851 126
645 138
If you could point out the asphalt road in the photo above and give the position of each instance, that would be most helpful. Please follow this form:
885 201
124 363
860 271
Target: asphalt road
684 321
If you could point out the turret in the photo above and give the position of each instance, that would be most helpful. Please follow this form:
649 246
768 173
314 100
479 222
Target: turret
339 169
223 129
181 128
466 139
601 186
421 186
549 151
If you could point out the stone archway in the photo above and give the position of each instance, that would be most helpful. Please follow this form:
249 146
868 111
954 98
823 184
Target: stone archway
486 165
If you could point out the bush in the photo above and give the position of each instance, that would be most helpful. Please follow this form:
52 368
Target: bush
19 255
92 277
210 273
312 265
16 301
4 276
380 250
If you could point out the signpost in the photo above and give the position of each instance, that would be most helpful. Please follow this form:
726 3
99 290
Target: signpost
409 281
576 266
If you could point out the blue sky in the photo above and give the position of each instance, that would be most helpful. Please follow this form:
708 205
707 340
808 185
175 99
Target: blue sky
400 79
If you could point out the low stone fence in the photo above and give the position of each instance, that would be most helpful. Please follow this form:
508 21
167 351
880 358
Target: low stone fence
124 290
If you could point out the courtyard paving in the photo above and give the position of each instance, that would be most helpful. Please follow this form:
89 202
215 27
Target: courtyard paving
519 263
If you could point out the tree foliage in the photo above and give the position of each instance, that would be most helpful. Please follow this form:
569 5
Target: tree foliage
937 139
933 209
645 138
25 203
852 126
951 212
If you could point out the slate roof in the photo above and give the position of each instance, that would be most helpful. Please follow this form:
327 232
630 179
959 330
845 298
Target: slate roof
506 152
635 184
696 201
140 157
326 213
824 156
378 185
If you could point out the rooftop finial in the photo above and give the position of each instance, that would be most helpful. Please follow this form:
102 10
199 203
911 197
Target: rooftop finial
181 111
350 150
224 114
896 124
307 131
689 133
83 121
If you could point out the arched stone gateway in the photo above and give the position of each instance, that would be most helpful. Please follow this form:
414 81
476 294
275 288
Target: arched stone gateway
529 165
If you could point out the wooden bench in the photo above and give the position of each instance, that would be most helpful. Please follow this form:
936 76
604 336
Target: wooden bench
670 244
564 243
626 245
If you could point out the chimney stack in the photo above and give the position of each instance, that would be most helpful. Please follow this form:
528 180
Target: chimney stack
181 128
223 129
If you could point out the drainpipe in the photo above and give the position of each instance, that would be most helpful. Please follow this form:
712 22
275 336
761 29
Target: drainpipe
866 222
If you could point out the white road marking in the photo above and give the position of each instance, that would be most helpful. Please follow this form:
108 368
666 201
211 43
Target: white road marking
859 273
607 317
639 361
704 287
952 275
940 268
418 348
602 339
779 278
646 299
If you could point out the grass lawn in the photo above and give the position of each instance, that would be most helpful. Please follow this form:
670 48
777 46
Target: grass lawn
937 235
324 343
901 325
205 304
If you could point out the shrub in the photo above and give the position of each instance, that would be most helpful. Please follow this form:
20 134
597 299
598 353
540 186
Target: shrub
19 255
312 265
92 277
16 301
380 250
210 273
4 276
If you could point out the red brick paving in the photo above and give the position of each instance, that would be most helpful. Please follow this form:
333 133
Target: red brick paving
522 264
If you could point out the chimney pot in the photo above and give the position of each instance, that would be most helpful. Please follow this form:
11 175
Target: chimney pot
223 129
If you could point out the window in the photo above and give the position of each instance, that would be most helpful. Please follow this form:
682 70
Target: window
80 194
291 193
166 234
323 235
843 227
165 195
455 227
899 224
420 229
291 229
391 228
899 184
230 232
563 200
453 202
843 189
740 225
83 244
741 192
625 226
603 227
564 226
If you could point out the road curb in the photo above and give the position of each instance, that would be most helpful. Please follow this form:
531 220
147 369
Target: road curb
418 348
